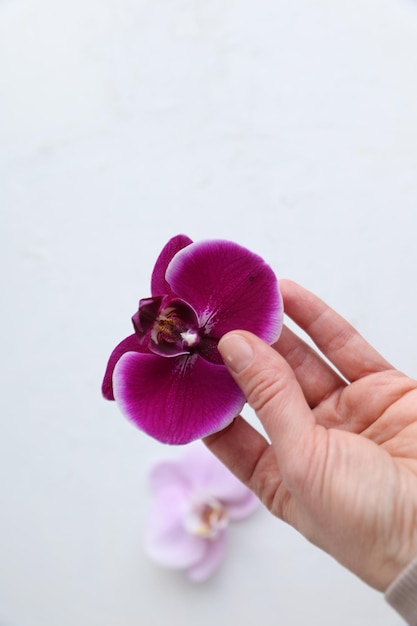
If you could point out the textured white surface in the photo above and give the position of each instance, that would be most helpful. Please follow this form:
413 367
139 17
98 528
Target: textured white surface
289 127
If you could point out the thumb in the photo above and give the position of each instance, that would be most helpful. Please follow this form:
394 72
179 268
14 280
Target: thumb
272 390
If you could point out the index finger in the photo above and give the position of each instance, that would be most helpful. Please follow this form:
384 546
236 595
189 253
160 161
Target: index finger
332 334
315 376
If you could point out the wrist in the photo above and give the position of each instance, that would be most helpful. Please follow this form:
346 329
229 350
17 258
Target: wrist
402 593
395 566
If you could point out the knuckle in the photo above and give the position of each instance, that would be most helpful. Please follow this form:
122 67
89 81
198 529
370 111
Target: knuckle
264 387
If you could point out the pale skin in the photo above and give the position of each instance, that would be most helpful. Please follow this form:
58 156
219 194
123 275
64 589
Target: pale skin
341 461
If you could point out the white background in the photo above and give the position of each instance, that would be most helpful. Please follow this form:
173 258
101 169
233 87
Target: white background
289 127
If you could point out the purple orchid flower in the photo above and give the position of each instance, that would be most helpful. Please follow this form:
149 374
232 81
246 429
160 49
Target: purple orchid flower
168 377
195 499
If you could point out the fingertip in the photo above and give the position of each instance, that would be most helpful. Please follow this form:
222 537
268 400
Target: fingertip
236 351
288 287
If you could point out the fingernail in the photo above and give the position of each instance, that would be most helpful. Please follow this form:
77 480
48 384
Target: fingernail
237 353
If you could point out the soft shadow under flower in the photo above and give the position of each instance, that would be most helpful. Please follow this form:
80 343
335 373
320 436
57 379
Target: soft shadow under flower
194 500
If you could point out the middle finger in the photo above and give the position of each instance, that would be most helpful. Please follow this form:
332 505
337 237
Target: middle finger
316 378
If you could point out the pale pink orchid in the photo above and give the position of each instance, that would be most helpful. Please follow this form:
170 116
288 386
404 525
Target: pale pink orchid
195 498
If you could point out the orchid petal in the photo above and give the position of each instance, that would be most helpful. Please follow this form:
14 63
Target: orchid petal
200 472
145 316
229 287
130 344
215 551
207 475
206 472
239 509
166 540
159 286
175 400
197 466
166 473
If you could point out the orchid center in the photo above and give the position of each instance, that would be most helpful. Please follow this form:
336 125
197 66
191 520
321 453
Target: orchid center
190 337
171 328
175 328
206 518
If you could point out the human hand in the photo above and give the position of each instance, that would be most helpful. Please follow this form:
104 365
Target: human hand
342 463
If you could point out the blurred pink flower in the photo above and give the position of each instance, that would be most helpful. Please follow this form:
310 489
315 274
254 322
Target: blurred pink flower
195 498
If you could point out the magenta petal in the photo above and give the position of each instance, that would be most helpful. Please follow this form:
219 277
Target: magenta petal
159 286
145 316
175 400
130 344
229 287
205 567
